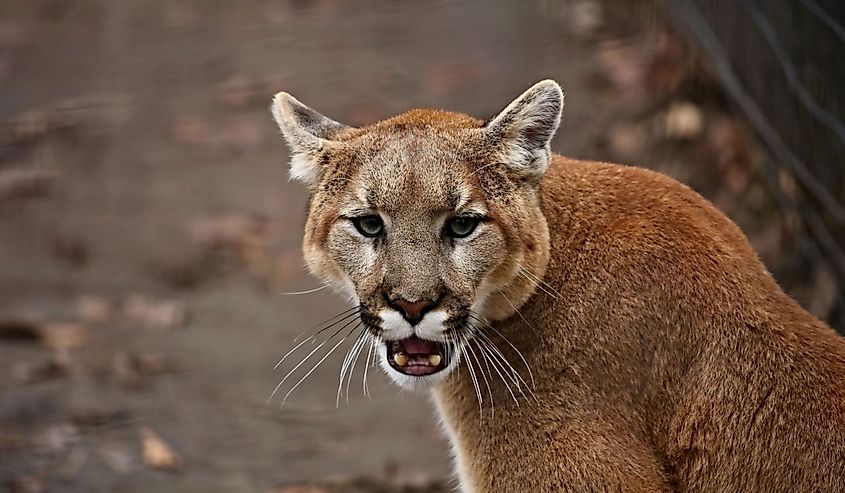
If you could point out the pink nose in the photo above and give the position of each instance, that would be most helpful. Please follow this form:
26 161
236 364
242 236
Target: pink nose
413 311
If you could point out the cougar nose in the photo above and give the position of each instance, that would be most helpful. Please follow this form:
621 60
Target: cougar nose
412 311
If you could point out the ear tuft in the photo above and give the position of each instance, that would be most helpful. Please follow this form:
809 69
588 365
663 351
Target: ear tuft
523 131
307 132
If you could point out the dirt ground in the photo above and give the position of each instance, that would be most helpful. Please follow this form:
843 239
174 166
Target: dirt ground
148 230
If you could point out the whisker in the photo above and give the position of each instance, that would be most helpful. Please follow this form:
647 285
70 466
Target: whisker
309 356
504 363
364 387
500 361
285 398
536 284
475 385
490 360
539 282
448 348
519 381
486 382
354 361
344 366
335 319
483 167
307 291
311 338
502 356
514 375
518 352
518 312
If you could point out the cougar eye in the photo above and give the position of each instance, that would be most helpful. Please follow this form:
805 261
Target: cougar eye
461 226
370 225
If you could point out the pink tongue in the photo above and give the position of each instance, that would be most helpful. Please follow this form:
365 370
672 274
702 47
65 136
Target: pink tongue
415 345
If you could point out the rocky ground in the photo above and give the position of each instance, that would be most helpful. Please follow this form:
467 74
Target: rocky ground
148 231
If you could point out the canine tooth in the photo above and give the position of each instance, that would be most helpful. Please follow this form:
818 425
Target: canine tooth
401 359
435 359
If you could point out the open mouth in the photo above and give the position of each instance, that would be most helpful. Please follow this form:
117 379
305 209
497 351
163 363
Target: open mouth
416 357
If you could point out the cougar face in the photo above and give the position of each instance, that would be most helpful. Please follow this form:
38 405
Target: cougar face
429 221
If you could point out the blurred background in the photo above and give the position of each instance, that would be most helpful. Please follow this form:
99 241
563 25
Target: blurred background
148 230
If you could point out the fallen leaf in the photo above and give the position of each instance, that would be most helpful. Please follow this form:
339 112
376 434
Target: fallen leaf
157 454
64 336
683 120
93 309
160 314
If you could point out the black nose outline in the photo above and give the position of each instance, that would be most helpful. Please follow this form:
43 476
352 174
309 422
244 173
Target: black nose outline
412 311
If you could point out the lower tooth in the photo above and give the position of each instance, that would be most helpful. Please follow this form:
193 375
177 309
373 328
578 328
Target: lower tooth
435 359
400 359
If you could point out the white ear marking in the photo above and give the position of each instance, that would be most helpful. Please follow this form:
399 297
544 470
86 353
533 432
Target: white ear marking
302 168
307 132
524 129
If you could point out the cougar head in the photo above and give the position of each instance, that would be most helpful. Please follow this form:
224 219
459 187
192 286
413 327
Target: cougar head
429 221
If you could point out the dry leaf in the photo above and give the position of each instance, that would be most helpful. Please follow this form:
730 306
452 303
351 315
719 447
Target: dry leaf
64 336
157 454
155 313
93 309
683 120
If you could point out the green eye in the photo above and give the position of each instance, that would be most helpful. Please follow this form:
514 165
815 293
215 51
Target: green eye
370 226
461 226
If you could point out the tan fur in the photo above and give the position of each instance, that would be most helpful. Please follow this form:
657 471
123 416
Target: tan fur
664 355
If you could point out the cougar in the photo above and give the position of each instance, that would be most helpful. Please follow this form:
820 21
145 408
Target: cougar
582 326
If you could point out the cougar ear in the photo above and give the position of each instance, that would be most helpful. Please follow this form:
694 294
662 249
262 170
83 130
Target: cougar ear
522 132
308 134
